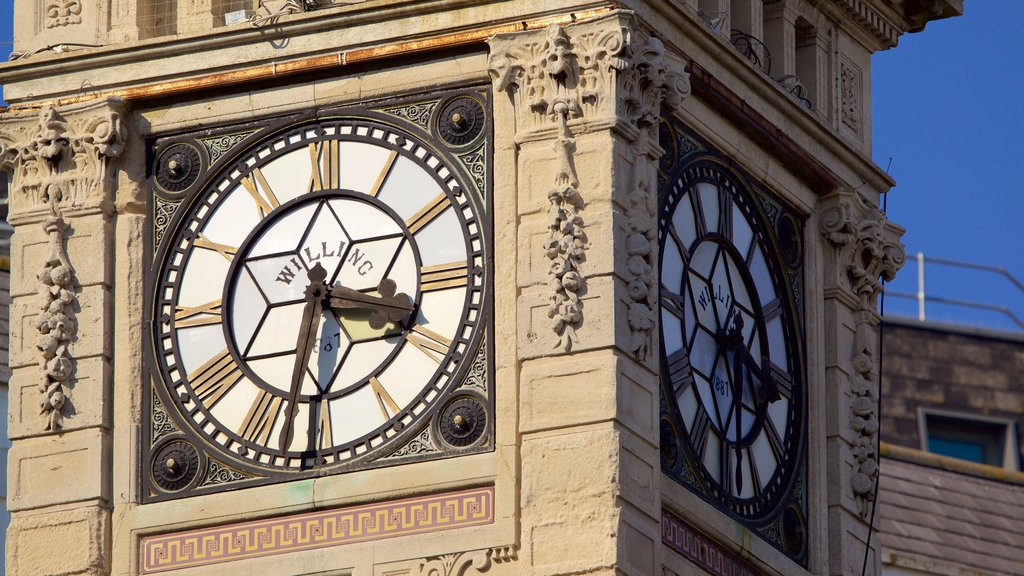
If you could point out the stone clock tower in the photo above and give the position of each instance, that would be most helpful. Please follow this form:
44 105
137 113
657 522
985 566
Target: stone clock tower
446 288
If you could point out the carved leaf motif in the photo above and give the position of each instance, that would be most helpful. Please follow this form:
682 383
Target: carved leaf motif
63 13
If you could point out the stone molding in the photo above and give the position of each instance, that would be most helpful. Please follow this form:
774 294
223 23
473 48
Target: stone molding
62 166
466 563
592 75
864 252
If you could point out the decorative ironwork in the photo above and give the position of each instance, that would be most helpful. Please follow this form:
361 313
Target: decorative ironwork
217 473
178 167
217 146
175 465
476 164
418 113
463 421
790 241
163 211
160 421
790 83
412 430
752 49
423 443
460 121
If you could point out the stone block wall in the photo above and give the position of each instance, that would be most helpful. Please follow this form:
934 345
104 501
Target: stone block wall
957 369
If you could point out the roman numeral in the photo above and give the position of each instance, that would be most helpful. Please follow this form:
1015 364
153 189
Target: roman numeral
263 205
325 438
388 164
783 380
725 212
678 366
673 302
772 310
387 404
699 432
702 227
773 438
324 157
441 276
214 378
426 214
187 317
228 252
260 419
430 343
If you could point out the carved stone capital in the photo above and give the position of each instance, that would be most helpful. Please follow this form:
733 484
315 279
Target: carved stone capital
602 71
863 249
62 159
598 74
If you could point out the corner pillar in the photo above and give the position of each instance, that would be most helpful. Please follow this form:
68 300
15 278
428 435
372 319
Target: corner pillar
64 164
862 249
586 101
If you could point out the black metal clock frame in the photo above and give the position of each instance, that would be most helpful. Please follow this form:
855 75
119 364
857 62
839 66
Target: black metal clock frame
779 511
180 459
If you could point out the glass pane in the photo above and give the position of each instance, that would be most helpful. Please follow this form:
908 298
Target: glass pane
682 221
764 459
282 278
325 242
361 165
671 332
709 204
408 188
742 235
713 457
289 175
247 307
687 402
363 220
672 267
762 279
285 233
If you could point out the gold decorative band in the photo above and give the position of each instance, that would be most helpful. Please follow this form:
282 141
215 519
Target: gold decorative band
273 536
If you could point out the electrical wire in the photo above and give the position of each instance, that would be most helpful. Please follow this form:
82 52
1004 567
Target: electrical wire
878 448
58 48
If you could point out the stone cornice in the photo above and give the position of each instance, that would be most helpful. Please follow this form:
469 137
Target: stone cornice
882 22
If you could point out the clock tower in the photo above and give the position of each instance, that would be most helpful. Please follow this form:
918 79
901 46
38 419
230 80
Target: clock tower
420 288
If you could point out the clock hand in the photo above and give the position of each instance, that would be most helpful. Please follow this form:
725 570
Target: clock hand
735 338
387 307
304 347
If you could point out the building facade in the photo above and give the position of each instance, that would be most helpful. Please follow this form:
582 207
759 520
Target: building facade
446 288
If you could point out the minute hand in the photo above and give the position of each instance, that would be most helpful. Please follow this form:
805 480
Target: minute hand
387 307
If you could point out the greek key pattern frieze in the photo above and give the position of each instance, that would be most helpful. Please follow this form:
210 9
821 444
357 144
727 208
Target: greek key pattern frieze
317 530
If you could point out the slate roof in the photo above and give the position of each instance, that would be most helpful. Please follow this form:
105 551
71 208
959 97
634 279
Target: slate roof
944 516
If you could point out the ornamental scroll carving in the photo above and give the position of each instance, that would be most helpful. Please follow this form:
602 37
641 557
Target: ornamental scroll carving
867 253
466 563
63 13
602 73
59 166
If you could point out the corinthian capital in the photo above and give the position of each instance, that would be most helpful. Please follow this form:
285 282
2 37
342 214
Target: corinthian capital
864 249
62 158
605 70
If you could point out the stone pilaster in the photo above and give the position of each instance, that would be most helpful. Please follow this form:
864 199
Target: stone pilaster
587 99
862 250
64 166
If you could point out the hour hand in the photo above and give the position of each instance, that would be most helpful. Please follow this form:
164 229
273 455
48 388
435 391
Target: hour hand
388 307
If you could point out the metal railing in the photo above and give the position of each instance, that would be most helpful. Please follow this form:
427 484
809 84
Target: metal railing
923 298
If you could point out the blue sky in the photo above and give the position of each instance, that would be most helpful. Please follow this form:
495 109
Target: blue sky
943 103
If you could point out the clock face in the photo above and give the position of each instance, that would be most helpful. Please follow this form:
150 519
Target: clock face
320 295
731 367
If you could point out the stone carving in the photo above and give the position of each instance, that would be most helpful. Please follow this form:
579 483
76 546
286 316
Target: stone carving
63 13
651 84
849 90
466 563
59 166
609 72
546 77
867 253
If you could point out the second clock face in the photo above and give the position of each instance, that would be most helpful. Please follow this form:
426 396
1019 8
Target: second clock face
319 295
730 359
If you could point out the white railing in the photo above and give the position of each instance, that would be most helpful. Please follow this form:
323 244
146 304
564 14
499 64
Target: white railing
923 298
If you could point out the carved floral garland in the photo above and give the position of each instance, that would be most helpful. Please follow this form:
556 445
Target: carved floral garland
55 169
870 258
